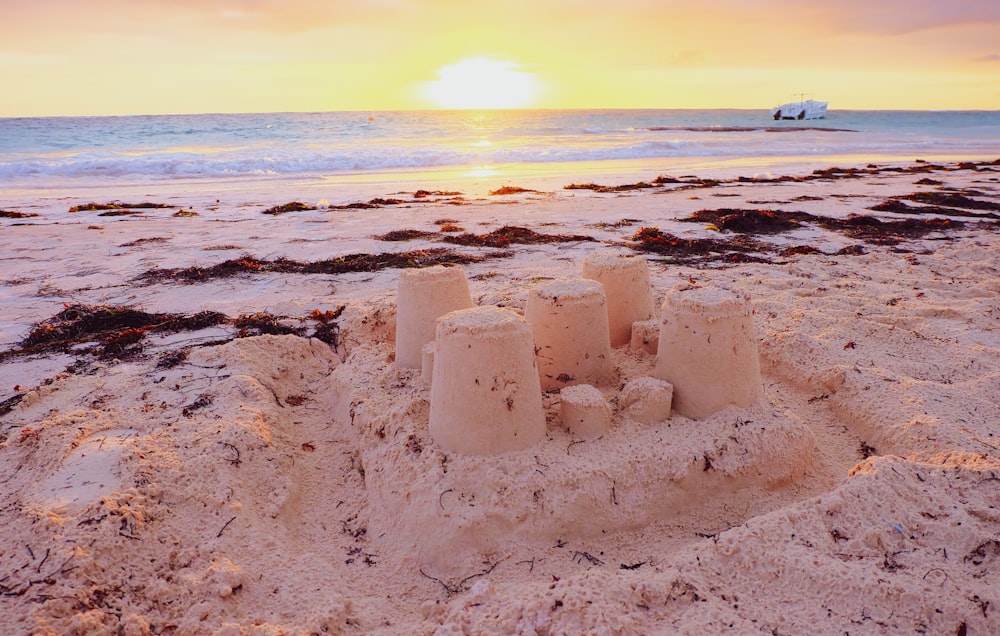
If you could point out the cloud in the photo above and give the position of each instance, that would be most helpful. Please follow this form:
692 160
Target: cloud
992 57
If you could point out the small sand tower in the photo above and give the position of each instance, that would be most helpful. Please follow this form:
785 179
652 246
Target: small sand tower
708 351
424 295
485 394
569 318
626 285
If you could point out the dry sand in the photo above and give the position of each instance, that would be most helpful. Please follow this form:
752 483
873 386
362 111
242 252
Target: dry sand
276 484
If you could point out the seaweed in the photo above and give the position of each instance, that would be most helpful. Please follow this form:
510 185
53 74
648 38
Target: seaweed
196 322
799 250
402 260
13 214
952 200
750 221
8 405
683 250
625 187
119 331
262 323
124 343
901 207
422 194
405 235
143 241
342 265
122 212
118 205
505 190
76 323
327 330
879 232
291 206
510 234
171 359
377 202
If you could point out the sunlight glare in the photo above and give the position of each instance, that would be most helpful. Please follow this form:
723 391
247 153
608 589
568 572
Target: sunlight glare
481 83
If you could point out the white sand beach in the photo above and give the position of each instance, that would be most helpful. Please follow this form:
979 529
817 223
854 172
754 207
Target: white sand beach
268 469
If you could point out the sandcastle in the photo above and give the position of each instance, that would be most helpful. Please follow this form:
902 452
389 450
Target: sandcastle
708 351
487 366
485 395
569 320
627 288
424 295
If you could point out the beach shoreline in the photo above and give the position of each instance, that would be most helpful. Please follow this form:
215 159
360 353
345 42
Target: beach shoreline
276 475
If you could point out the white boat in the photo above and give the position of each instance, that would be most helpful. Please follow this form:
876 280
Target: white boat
802 109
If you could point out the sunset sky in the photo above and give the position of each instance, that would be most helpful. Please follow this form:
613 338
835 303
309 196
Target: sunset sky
67 57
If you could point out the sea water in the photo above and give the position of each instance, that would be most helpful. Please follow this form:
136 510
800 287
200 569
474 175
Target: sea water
87 152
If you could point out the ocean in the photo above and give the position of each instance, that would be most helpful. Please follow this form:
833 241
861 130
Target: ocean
71 154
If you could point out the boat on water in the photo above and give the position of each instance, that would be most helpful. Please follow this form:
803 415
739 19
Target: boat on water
802 109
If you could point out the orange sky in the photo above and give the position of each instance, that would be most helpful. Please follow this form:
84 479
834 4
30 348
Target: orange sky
71 57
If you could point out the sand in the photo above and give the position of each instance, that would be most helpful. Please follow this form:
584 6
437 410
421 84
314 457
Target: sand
282 484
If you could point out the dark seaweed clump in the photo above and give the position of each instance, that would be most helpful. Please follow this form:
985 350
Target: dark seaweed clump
878 232
291 206
625 187
505 190
510 234
739 249
377 202
345 264
952 200
119 331
13 214
751 221
944 203
406 235
123 208
422 194
858 226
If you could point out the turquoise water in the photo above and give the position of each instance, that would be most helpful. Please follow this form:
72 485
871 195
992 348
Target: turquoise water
106 150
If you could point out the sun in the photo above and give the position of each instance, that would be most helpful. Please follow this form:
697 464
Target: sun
479 83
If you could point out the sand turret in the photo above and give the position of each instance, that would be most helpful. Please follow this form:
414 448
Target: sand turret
424 295
569 319
708 351
627 288
485 394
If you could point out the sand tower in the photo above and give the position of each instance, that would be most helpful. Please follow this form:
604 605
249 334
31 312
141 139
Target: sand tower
569 319
708 351
485 394
424 295
626 285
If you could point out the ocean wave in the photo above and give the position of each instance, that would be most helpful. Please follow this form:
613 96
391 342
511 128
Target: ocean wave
214 146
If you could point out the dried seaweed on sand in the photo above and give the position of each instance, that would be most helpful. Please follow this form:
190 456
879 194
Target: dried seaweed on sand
509 234
341 265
